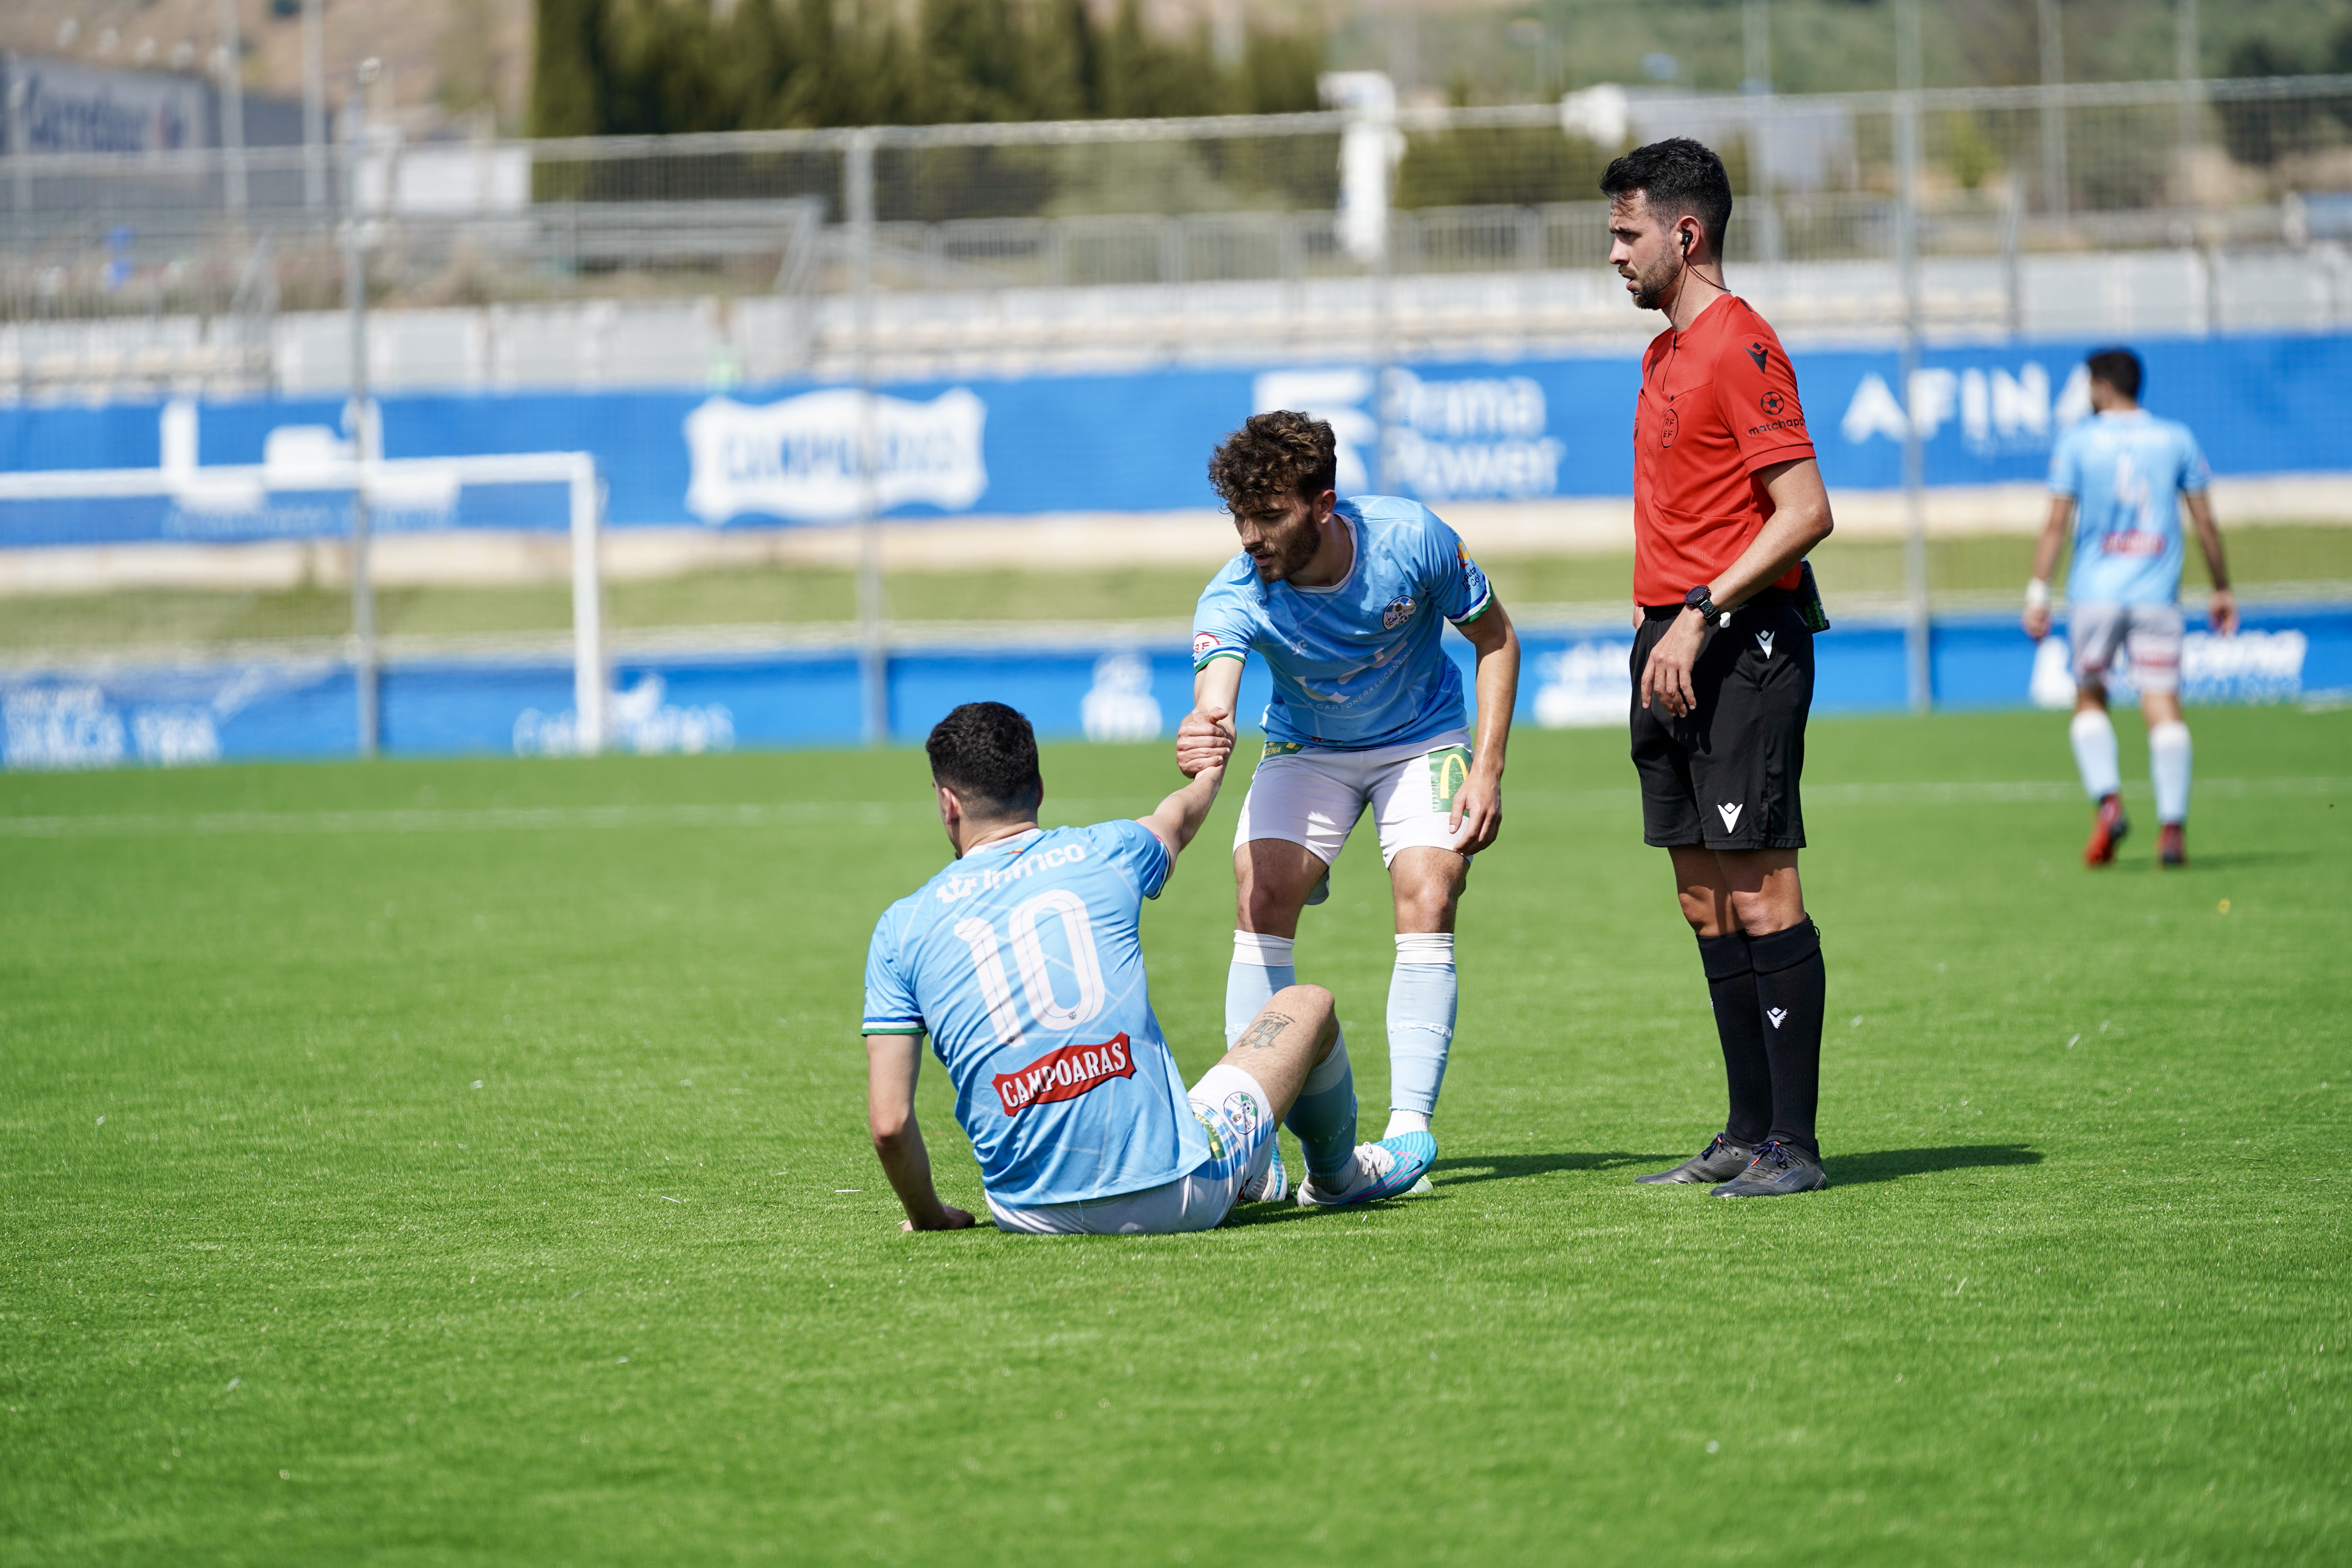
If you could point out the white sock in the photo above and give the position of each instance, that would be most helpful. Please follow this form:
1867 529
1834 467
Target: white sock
2094 734
1422 991
1261 967
2167 766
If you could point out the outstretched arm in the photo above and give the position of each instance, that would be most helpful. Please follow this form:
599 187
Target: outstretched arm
2223 610
1478 804
2045 561
1180 817
892 1063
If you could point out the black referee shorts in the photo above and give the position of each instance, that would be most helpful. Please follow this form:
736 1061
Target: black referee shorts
1726 777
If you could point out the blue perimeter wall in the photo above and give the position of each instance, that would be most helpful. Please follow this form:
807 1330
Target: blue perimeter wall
197 714
1505 430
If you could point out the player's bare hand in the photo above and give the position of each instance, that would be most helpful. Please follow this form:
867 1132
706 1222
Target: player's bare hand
2221 611
1477 816
1205 738
2037 621
1667 677
950 1218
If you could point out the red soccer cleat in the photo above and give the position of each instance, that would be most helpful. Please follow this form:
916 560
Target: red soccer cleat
2172 845
2107 830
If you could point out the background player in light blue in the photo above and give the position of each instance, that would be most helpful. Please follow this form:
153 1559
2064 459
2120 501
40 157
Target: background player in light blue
1023 963
2116 481
1347 601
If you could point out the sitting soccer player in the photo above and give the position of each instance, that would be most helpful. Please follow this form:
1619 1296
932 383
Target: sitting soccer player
1023 963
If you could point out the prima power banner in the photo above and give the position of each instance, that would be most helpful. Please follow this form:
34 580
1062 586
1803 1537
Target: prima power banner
797 454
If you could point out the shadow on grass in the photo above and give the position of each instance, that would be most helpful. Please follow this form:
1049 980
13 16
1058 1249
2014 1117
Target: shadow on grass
1514 1167
1894 1164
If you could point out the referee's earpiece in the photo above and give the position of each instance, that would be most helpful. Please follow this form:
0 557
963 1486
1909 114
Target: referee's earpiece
1685 245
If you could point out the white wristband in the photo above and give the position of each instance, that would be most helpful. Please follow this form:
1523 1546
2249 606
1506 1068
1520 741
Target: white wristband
2037 594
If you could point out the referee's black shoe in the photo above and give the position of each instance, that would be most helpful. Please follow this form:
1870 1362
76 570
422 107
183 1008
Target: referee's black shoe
1718 1162
1779 1168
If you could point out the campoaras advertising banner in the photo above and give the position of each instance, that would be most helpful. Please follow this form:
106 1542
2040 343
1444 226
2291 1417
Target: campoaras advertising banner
789 455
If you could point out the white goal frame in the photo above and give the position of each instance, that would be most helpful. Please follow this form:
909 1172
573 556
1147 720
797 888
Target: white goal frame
376 480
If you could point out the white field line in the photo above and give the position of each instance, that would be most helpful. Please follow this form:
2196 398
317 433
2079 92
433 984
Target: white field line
879 814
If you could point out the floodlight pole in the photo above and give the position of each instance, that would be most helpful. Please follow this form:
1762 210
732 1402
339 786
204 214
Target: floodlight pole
363 447
232 106
874 658
1918 670
314 104
2053 108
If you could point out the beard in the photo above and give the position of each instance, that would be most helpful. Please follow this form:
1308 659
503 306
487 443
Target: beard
1288 550
1651 287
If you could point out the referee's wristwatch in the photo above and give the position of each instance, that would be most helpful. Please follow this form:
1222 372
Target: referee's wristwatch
1702 599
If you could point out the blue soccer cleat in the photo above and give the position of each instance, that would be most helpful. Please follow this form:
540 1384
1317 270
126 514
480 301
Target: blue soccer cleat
1389 1169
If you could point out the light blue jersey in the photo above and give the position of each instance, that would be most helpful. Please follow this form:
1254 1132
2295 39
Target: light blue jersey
1023 964
1355 665
2126 471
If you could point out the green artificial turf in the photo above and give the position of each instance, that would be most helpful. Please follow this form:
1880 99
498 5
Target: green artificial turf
443 1163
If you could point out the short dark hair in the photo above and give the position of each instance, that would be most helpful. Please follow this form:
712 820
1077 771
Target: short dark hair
2120 368
987 753
1682 178
1272 457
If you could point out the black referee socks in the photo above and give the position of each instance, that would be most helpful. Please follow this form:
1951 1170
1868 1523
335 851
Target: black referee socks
1789 987
1740 1025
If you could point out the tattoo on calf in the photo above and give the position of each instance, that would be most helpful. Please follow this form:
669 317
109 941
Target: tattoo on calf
1263 1033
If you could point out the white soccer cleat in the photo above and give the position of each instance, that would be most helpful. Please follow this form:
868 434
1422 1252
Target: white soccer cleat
1379 1171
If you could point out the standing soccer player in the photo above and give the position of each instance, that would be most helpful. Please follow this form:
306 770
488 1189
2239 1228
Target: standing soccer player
2115 477
1345 600
1727 501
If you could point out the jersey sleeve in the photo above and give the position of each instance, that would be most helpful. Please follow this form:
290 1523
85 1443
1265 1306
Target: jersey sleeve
2066 467
1139 850
2196 476
1222 623
1756 391
1450 578
890 1007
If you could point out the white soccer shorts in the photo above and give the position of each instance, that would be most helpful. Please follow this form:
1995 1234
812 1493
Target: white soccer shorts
2151 633
1237 1118
1314 798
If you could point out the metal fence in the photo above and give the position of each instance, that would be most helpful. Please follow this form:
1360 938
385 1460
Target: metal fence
979 237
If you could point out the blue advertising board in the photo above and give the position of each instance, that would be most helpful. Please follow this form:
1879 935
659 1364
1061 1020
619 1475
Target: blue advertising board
1508 431
192 715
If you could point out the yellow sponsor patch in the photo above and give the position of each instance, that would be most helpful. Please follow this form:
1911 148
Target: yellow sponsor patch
1281 749
1449 770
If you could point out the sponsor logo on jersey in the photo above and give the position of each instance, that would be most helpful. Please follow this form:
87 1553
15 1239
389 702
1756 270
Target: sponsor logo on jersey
1730 814
1764 644
1760 353
1201 643
1776 1014
1064 1074
1399 611
1025 863
1772 403
2131 541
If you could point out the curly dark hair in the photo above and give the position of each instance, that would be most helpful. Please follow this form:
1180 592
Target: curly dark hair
1272 457
1682 178
987 753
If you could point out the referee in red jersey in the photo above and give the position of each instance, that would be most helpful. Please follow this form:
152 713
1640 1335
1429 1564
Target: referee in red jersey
1727 501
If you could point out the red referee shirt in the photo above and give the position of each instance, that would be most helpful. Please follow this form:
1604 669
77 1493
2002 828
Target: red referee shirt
1718 403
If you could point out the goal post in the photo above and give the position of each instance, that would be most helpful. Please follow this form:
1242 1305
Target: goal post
388 486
